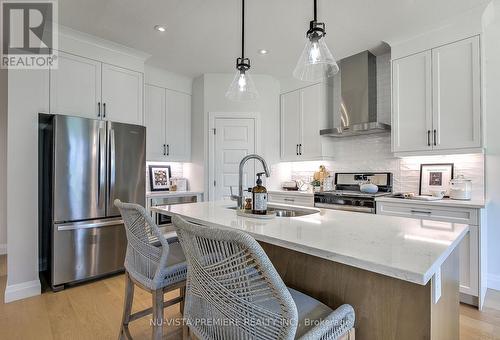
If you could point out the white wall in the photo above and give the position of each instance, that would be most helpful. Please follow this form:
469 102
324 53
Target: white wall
28 95
492 110
209 96
3 160
166 79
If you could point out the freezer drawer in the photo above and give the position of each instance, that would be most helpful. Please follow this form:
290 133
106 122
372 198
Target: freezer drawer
84 250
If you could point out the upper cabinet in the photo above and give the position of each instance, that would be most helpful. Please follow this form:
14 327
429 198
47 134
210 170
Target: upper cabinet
168 123
75 86
303 115
436 100
87 88
412 103
456 103
122 95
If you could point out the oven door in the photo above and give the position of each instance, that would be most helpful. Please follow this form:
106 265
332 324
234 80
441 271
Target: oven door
346 203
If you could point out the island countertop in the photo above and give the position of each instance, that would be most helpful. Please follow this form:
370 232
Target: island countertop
408 249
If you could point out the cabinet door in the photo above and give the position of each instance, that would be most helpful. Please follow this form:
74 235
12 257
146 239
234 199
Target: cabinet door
75 86
456 95
412 104
178 126
469 262
290 125
312 111
122 95
155 123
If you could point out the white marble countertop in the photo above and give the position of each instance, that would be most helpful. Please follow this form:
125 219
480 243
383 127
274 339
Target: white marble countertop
407 249
445 202
172 193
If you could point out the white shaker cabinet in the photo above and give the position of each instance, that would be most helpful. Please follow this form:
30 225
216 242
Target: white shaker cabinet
290 125
412 103
456 84
436 100
155 122
75 86
178 126
122 95
88 88
303 115
168 124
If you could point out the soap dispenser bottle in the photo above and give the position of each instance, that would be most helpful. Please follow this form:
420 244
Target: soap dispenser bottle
259 197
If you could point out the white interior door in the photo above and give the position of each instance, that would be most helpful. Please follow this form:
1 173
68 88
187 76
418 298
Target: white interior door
75 86
122 94
234 139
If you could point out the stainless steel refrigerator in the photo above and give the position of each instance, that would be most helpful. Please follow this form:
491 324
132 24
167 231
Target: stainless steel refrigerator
85 164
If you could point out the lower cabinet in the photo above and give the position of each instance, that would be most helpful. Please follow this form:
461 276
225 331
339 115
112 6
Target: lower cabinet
473 273
294 198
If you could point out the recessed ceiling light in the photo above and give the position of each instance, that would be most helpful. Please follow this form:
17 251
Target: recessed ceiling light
160 28
263 51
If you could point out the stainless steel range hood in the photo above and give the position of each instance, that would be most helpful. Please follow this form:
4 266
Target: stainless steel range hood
356 102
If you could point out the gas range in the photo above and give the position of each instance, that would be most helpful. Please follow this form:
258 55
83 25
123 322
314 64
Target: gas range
347 195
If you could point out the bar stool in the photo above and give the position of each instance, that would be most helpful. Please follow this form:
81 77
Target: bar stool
153 263
234 292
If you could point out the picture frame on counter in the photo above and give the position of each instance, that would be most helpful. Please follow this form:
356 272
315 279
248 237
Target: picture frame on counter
435 178
159 177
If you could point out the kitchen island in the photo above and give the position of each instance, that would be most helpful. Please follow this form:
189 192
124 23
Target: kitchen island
399 274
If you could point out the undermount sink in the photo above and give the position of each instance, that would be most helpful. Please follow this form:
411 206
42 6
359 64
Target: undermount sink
287 211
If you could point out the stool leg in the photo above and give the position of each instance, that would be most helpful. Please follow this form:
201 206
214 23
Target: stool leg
127 307
157 314
183 295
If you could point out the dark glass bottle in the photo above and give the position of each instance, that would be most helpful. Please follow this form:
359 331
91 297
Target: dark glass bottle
259 197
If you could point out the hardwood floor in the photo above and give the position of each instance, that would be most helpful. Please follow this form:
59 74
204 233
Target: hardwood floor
93 311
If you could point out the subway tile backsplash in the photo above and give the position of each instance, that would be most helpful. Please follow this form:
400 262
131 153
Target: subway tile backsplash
373 153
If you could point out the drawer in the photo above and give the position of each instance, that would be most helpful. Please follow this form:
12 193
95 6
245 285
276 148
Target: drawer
446 214
306 201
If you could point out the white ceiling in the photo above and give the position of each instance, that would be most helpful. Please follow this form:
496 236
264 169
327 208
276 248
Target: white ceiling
204 35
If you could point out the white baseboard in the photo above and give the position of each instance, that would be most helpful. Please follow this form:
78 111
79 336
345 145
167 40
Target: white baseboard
22 290
3 248
494 282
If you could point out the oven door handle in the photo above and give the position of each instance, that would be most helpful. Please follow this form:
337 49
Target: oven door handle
345 207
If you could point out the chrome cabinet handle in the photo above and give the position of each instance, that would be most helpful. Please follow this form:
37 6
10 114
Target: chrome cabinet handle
421 212
428 137
435 137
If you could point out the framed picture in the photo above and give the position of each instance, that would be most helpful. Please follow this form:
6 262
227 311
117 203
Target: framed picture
159 177
435 177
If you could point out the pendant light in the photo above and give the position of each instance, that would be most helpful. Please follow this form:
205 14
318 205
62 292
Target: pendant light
242 87
316 61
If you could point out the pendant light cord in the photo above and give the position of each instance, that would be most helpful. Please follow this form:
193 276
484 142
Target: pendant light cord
243 29
315 10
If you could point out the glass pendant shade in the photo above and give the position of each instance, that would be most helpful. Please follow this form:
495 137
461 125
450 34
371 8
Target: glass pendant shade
242 88
316 61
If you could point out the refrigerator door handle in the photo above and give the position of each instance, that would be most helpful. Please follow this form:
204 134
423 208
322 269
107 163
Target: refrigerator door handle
76 226
101 164
112 166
